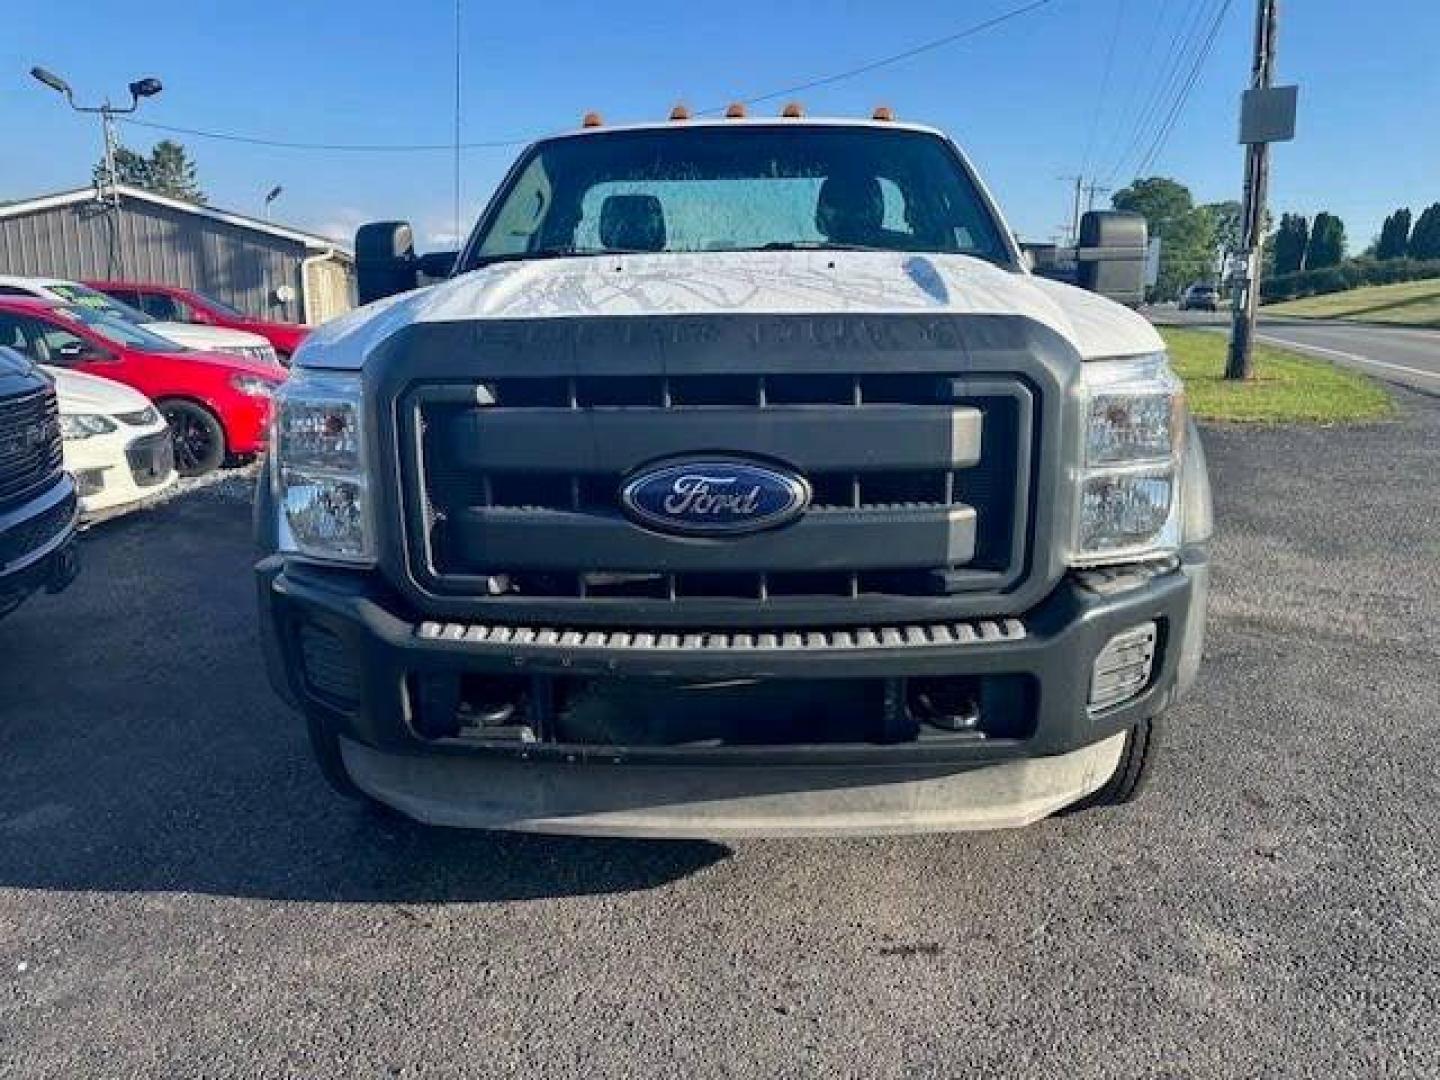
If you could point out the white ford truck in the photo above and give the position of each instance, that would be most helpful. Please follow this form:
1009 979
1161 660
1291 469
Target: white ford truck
741 479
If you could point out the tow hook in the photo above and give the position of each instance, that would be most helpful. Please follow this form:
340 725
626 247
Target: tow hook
64 565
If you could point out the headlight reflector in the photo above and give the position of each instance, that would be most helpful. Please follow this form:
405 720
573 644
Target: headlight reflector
253 385
75 426
1128 502
319 469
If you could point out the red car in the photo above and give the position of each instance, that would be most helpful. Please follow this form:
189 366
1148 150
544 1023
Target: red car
174 304
217 404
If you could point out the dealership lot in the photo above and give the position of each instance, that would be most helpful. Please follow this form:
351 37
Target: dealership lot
180 894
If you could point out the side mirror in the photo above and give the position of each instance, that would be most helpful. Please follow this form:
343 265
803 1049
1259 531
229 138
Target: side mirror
1111 256
385 262
200 318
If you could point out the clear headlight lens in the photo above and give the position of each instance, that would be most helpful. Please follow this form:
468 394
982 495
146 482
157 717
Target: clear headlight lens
77 426
319 468
1134 411
253 385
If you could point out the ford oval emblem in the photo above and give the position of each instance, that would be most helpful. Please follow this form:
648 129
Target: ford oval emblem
714 497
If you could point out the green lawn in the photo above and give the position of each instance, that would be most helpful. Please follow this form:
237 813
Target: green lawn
1288 387
1411 303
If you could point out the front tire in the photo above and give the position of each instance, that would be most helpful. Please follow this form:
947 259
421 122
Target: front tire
1131 774
197 435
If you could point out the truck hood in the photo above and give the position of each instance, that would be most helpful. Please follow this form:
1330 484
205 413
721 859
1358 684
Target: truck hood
205 338
80 393
745 283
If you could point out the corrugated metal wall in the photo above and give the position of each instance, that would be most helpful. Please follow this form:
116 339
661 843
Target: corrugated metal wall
146 242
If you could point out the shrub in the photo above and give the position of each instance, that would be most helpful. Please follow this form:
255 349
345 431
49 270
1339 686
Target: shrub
1351 274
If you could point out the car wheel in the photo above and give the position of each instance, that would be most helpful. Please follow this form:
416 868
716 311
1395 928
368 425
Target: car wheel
1131 774
198 437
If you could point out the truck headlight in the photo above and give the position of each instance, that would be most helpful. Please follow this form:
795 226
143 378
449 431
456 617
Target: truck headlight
1129 499
319 468
74 426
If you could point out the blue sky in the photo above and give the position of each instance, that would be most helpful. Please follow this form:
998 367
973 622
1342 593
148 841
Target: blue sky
1022 98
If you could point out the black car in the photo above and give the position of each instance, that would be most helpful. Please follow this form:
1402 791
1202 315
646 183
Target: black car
38 506
1200 297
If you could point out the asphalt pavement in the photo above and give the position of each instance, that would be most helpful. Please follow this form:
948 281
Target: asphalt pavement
181 896
1409 357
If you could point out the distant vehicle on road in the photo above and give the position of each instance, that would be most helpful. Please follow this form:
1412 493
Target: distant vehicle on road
216 404
178 305
201 338
1200 297
37 496
117 445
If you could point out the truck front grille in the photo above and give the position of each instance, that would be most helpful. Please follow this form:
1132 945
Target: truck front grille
920 485
30 446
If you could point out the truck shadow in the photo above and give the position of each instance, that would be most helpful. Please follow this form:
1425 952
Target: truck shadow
144 750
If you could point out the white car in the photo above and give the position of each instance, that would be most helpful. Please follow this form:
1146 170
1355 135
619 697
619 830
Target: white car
191 335
117 445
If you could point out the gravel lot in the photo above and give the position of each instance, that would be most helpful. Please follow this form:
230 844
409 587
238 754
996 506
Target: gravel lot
180 895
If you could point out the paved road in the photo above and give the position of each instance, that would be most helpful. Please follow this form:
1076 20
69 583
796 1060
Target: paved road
180 895
1396 354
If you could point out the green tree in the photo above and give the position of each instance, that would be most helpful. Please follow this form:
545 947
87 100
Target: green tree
1290 242
168 170
1425 237
1327 242
1186 232
1394 235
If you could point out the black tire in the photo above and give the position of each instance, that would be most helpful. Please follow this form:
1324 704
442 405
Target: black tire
198 437
1131 774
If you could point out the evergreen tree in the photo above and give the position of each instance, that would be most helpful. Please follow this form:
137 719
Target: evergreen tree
167 171
1327 242
1394 235
1290 242
1425 237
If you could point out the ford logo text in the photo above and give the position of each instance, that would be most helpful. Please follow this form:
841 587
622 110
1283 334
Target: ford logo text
714 497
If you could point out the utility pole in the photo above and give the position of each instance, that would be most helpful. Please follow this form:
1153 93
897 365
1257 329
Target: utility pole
1091 190
1079 182
1246 300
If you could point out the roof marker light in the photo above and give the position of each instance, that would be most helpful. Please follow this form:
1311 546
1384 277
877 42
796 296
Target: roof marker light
793 111
735 111
592 119
680 112
883 112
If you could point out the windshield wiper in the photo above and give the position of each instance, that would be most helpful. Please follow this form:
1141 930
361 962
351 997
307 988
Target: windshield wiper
817 245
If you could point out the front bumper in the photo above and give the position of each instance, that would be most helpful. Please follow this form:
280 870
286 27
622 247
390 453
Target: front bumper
37 545
122 470
832 787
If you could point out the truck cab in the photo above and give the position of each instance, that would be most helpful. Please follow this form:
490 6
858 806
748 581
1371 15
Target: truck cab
739 479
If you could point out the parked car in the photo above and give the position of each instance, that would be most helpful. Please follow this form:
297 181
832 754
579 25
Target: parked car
1200 297
216 404
117 445
741 481
200 338
178 305
37 497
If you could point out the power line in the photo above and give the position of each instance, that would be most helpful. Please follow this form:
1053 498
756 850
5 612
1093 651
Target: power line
894 58
1187 33
1163 135
1104 85
1116 135
825 80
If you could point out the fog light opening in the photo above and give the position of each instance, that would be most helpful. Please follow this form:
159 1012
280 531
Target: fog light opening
948 704
1123 667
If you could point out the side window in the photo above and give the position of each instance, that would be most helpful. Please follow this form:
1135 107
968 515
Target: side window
163 307
894 219
523 214
14 290
125 296
12 336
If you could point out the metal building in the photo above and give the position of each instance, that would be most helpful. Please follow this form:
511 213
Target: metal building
266 270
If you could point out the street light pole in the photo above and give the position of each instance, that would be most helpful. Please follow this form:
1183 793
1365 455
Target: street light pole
140 88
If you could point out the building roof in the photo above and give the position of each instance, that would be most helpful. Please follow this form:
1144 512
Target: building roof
311 241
